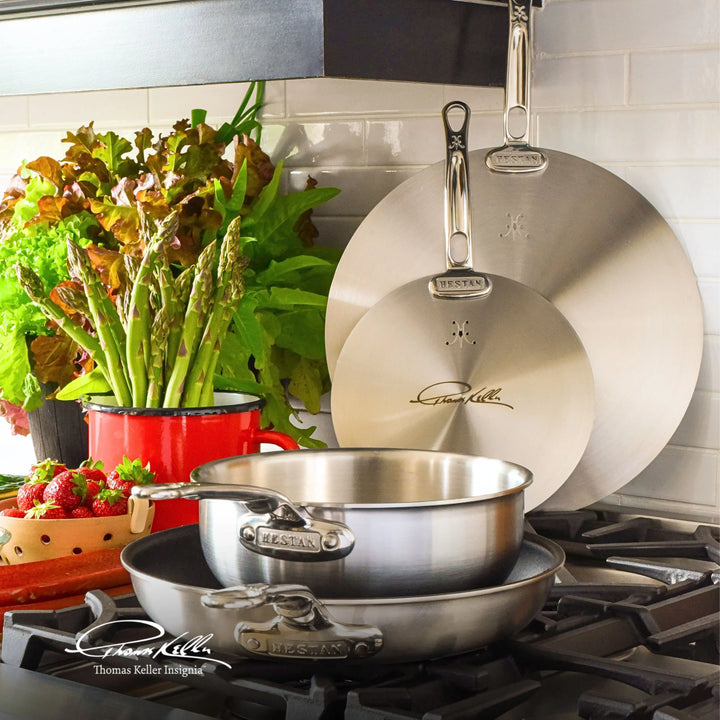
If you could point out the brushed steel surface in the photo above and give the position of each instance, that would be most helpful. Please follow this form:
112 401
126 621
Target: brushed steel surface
587 242
170 577
503 375
423 522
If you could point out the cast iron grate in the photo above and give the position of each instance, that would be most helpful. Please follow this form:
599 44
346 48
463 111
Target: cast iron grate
612 651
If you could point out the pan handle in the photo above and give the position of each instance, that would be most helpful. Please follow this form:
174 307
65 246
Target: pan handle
460 281
273 525
302 627
517 155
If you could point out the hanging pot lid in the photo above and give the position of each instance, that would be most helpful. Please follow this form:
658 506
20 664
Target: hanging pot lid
586 241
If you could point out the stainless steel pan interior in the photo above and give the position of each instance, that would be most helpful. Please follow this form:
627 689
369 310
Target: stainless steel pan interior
358 523
585 240
175 587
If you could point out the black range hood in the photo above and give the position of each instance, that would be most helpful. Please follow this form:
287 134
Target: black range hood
73 45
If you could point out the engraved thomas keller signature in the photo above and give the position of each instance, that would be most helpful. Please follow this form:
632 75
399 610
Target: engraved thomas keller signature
456 392
178 647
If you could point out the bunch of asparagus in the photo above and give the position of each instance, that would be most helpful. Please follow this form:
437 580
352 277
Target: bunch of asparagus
157 343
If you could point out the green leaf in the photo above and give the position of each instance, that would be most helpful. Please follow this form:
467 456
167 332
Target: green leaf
249 332
286 272
14 367
280 298
286 209
197 116
267 195
231 207
93 383
303 332
306 383
223 382
32 392
110 150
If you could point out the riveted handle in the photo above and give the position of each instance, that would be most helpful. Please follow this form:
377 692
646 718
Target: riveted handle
302 627
517 155
272 526
460 281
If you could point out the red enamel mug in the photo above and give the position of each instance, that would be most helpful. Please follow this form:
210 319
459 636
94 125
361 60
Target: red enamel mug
177 440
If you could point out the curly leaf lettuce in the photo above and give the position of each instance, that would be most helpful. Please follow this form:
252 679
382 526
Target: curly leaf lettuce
41 246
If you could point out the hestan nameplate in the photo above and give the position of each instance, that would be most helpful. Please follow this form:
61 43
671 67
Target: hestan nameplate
516 160
459 285
301 540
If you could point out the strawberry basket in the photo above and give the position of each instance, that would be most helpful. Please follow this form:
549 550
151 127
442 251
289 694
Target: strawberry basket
25 540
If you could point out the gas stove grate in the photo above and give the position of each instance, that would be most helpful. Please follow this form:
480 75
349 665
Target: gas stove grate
616 651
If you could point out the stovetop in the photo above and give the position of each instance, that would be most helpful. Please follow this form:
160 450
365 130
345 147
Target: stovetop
629 631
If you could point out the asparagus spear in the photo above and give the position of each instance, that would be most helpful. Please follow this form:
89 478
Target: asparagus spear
138 325
74 299
158 347
105 319
197 308
228 292
34 288
229 305
182 286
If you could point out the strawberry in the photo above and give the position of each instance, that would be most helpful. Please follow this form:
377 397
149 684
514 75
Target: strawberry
128 474
109 502
68 489
46 511
93 470
29 492
46 470
81 511
12 512
93 488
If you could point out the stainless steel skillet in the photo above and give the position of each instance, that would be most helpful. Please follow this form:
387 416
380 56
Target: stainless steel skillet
176 589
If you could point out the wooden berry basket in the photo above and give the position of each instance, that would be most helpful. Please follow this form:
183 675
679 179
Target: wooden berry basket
27 540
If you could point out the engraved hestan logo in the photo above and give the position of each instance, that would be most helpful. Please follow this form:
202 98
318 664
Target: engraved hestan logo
460 334
271 538
466 282
306 648
456 392
517 158
515 228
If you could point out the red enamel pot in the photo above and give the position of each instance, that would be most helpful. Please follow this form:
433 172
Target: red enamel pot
174 441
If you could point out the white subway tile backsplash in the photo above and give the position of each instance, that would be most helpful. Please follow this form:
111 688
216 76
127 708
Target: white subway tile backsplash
405 142
686 76
577 82
701 241
221 101
709 377
335 231
361 188
478 98
109 109
666 187
710 293
421 140
679 475
18 147
671 136
13 113
328 96
589 26
315 143
700 427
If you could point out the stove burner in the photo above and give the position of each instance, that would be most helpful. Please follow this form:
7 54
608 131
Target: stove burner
643 651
